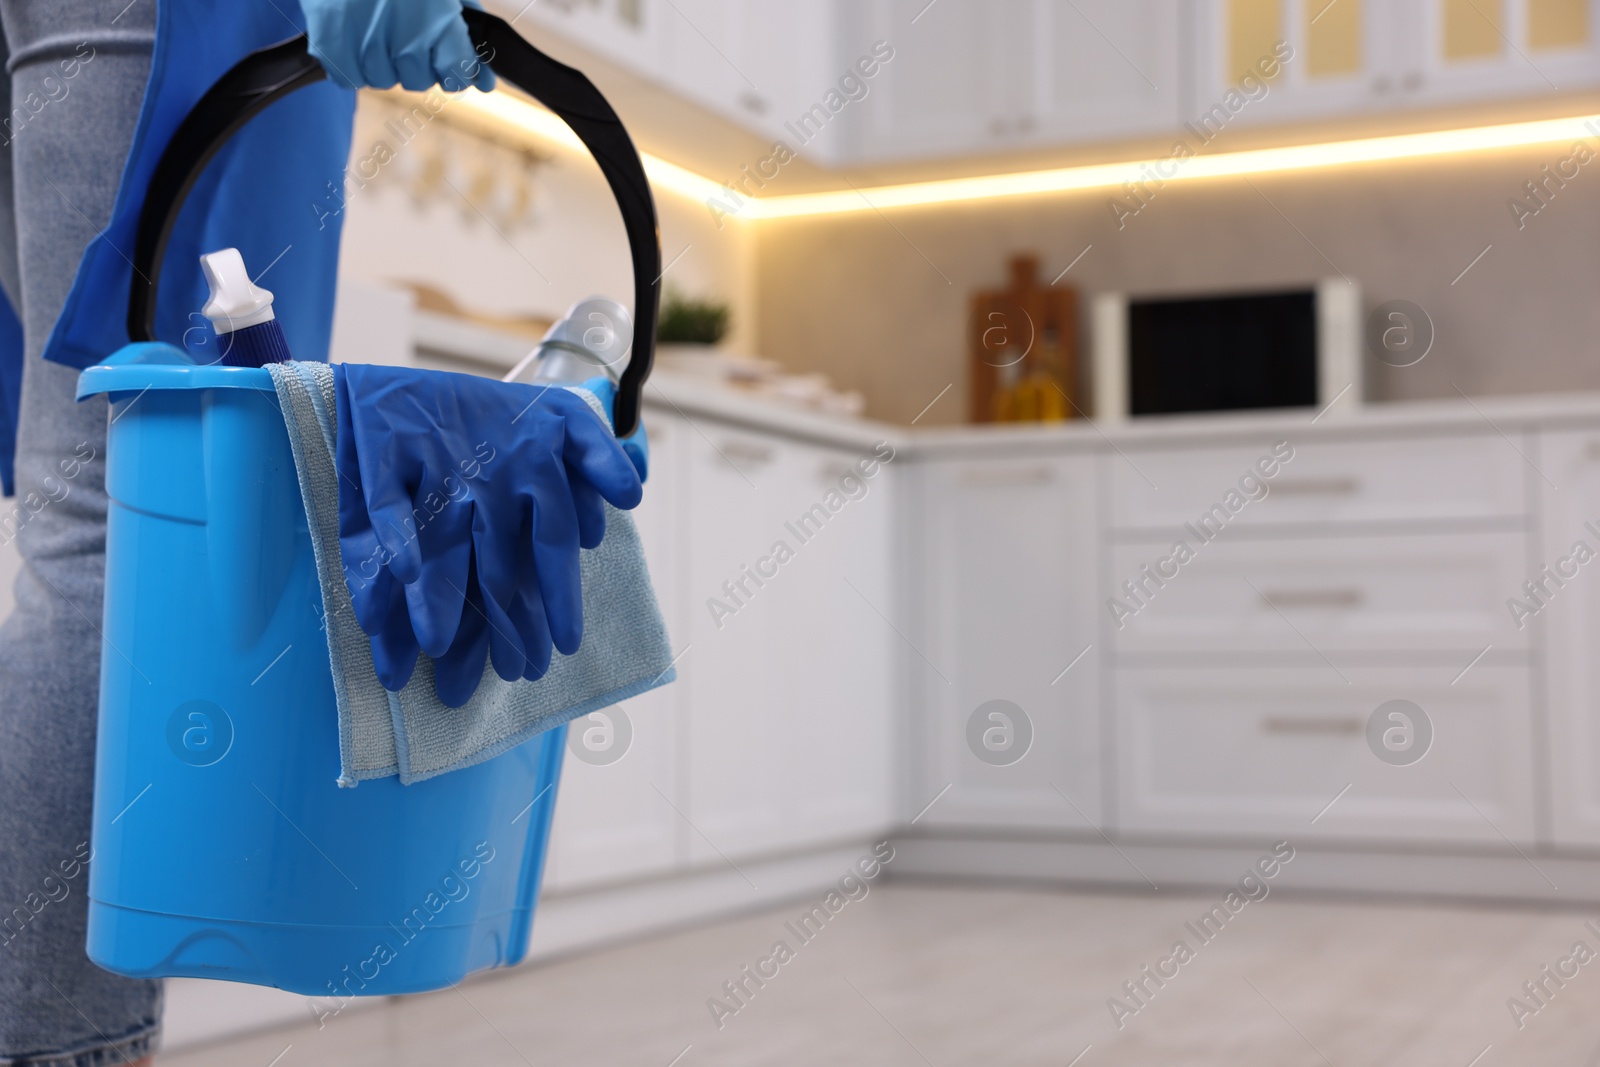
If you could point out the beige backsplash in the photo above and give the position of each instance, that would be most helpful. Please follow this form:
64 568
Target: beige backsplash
880 302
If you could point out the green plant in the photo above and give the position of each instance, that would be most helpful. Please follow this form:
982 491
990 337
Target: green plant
685 320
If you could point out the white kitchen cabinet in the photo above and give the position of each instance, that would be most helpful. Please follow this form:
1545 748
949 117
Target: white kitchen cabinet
788 696
997 75
956 82
1462 50
1568 620
760 63
1432 592
1006 609
837 745
1229 753
1355 57
1410 478
628 32
614 816
1101 70
1340 58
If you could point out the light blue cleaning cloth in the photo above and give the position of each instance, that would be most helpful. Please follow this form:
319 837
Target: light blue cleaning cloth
412 733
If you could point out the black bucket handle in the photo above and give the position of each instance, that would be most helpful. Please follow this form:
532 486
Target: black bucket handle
264 77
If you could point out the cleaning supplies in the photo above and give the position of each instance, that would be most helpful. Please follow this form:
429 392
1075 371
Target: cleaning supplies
584 349
248 334
591 339
412 732
446 479
225 847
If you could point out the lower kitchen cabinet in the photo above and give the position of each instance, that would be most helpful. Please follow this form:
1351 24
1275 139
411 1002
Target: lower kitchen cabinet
1230 752
614 815
1005 609
1567 619
786 676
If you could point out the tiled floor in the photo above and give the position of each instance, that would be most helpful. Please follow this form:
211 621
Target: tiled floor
920 976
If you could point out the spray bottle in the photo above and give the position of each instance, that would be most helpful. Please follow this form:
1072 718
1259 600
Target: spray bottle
248 333
591 341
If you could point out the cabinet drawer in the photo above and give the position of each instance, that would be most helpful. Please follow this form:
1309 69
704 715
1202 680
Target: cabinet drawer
1264 752
1399 593
1466 476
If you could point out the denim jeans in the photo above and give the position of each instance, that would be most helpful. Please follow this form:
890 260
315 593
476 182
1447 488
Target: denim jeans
77 70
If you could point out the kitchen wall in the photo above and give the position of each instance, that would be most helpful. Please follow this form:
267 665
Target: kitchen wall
573 247
881 302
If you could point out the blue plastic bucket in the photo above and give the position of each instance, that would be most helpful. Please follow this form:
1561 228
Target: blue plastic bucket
223 847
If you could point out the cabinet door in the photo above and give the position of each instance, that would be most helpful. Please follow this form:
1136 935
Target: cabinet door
1335 58
625 31
1268 752
790 670
838 701
1568 621
613 817
734 667
1102 69
1006 611
959 76
1480 49
760 63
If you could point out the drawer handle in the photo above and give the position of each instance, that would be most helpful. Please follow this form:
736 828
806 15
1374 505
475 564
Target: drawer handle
1317 486
992 476
1304 725
749 451
1313 598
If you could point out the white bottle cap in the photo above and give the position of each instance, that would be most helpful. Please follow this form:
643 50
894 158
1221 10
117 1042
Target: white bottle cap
235 302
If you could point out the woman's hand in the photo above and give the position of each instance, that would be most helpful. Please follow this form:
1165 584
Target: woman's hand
377 43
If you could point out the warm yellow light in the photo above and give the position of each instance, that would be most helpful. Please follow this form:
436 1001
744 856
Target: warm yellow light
505 107
1219 165
520 114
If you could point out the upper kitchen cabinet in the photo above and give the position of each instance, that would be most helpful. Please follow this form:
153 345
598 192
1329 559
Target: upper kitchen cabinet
764 64
998 75
1477 49
627 32
1273 61
1265 61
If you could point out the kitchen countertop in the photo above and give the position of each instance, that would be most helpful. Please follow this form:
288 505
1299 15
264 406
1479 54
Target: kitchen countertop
1508 415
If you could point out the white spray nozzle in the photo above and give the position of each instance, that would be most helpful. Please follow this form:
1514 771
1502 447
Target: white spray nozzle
236 301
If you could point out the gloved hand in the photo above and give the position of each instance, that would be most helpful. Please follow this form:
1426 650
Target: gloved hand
418 43
463 503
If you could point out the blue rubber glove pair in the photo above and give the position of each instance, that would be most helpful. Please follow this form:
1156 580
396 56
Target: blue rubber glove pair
417 43
463 503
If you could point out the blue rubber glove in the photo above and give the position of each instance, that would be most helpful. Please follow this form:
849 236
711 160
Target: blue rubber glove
376 43
636 444
463 503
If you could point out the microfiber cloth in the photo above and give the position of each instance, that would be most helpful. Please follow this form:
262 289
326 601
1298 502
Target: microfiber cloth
411 733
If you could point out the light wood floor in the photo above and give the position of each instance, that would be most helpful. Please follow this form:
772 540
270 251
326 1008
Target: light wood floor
921 976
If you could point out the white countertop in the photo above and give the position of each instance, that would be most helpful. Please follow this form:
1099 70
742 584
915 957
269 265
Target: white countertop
692 397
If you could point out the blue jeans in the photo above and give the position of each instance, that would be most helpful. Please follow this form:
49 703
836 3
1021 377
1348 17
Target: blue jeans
77 74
